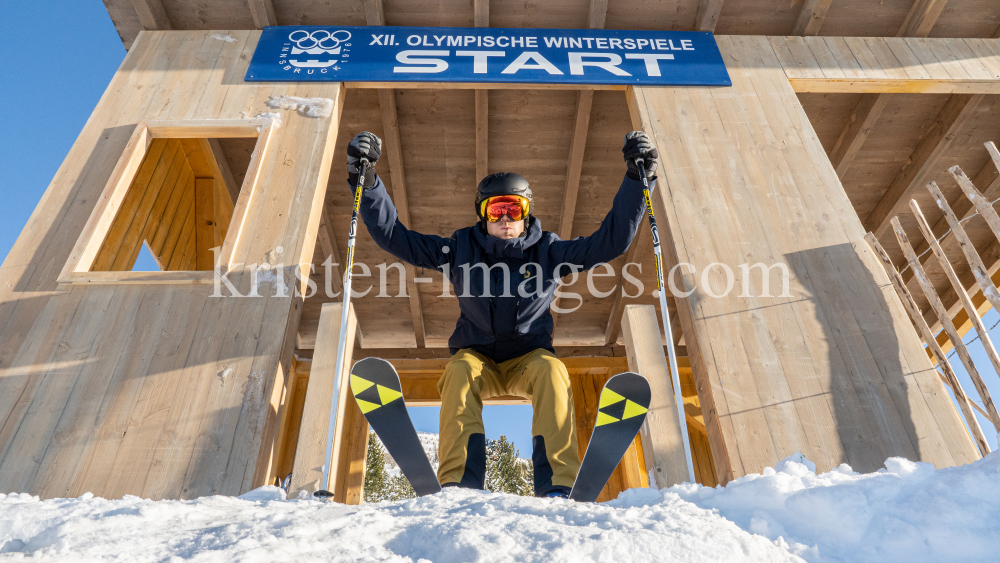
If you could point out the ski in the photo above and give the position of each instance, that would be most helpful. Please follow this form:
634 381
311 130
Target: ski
376 388
621 411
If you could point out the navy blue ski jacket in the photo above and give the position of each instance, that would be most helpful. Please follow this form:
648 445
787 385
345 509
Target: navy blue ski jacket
508 316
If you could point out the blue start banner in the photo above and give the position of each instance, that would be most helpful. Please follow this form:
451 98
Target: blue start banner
449 54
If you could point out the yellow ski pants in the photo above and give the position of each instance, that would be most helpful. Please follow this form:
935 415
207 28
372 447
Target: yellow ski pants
470 377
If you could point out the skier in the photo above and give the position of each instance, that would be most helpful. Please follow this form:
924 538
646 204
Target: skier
505 270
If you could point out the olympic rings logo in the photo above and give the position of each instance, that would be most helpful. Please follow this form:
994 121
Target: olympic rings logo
320 38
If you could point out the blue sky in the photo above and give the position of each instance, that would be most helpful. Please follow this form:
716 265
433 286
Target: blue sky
54 78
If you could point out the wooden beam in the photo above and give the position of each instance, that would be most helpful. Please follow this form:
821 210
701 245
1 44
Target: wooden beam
481 17
858 127
375 15
482 133
598 13
996 33
921 18
226 175
262 12
328 243
310 453
374 12
481 13
889 64
811 17
708 15
577 147
640 245
394 153
914 174
151 14
662 437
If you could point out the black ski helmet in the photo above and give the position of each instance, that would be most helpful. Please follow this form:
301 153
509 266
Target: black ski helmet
503 183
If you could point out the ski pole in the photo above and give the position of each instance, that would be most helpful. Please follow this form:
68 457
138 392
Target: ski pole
339 368
671 353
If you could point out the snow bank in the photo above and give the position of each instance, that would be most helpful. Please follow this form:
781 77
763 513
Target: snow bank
453 526
907 512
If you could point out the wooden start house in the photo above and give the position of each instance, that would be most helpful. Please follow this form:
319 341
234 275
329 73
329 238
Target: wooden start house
839 113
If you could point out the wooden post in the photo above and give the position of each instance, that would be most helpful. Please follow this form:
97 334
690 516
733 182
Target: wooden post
925 332
983 205
979 270
662 442
307 471
949 327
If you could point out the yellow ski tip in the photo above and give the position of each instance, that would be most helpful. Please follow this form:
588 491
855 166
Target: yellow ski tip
358 385
603 419
388 395
633 409
609 397
365 406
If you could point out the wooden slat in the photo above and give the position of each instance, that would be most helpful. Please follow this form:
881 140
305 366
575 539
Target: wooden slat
811 17
942 313
151 14
225 173
950 121
481 13
642 244
328 244
921 18
928 337
957 286
662 437
577 147
859 126
481 18
707 16
979 270
307 471
204 215
262 12
482 134
393 150
987 181
392 147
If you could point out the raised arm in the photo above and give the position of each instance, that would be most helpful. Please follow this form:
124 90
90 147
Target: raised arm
614 235
380 217
618 229
379 214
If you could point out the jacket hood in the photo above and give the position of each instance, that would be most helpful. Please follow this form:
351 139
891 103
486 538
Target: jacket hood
509 248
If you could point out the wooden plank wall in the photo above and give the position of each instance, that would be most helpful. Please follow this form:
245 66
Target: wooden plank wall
834 371
158 391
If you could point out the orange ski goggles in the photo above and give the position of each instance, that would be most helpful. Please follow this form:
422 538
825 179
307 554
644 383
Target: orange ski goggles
494 208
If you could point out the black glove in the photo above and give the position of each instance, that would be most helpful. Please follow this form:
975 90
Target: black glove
363 145
638 145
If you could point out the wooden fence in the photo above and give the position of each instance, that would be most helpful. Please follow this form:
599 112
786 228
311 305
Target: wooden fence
980 206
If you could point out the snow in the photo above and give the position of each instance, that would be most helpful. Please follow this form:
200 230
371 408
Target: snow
227 38
906 512
312 107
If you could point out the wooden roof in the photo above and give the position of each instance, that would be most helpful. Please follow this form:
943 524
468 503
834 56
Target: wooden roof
884 146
